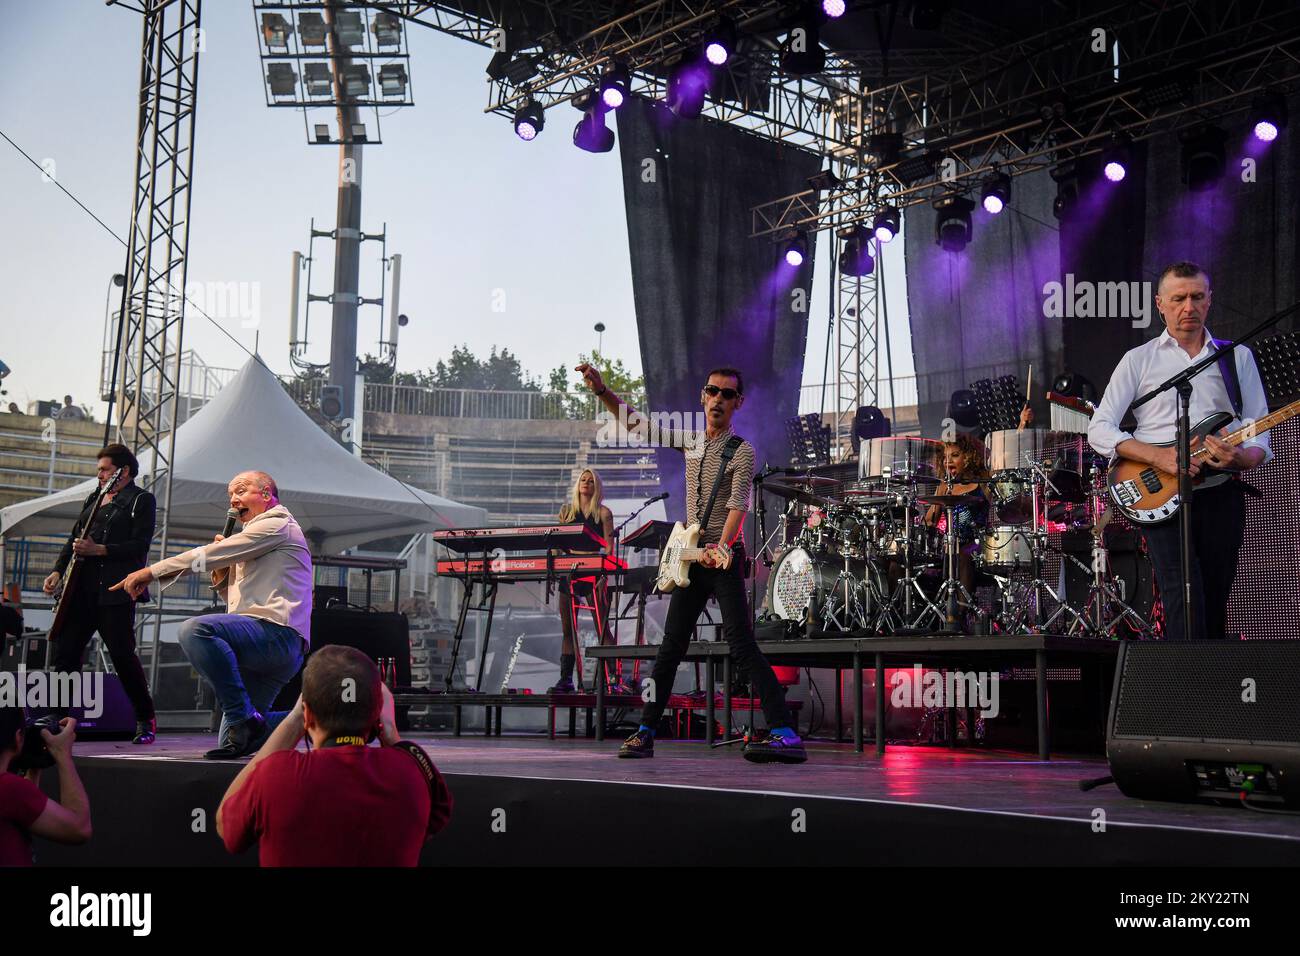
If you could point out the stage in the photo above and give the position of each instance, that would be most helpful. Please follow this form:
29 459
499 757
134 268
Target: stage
529 800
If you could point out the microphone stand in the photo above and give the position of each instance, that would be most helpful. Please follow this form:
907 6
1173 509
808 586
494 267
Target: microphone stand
1182 383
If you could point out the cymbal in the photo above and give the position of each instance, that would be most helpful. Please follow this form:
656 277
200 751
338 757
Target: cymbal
804 495
948 501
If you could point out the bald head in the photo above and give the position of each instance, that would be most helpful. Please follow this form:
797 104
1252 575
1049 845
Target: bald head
251 493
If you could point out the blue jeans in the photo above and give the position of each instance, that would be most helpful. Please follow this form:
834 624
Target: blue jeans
245 660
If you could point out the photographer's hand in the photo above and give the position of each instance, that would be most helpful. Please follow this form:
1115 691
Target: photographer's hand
388 734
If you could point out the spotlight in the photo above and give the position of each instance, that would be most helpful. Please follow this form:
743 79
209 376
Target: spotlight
1115 158
1066 177
855 251
614 86
796 250
1268 115
997 191
1074 385
1202 157
824 180
688 81
834 8
952 228
885 225
592 134
801 51
963 411
529 120
720 43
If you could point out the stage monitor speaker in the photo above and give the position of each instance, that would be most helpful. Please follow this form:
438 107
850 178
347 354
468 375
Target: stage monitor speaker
114 718
1207 721
377 633
27 651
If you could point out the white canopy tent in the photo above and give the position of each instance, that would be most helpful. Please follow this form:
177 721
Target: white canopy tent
253 424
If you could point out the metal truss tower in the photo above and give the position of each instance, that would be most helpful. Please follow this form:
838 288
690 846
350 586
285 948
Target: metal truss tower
150 335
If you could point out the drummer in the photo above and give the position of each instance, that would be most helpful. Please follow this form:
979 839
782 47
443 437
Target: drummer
964 458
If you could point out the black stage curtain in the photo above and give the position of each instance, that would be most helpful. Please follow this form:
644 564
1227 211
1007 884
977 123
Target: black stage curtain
1246 234
707 295
979 313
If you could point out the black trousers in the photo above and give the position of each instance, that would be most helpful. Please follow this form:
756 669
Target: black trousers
116 625
684 608
1218 521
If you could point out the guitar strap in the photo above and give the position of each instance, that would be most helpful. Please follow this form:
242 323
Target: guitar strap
728 452
1228 369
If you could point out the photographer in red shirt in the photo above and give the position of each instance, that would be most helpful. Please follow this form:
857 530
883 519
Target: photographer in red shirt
24 808
340 803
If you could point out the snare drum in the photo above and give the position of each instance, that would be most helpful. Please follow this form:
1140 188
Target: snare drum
1005 548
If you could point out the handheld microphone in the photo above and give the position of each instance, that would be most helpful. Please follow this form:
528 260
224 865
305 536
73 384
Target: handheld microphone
231 517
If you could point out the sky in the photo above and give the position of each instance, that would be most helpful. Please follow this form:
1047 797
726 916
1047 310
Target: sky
503 243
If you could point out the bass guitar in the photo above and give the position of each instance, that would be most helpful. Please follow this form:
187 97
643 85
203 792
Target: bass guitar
1146 495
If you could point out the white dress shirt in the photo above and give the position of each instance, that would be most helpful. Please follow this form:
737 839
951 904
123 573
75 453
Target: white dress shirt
272 577
1147 366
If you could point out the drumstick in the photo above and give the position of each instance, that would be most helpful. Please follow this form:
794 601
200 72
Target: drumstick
1029 384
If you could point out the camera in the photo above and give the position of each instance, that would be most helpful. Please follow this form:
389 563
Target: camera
34 754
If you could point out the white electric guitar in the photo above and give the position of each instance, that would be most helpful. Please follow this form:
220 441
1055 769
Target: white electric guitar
680 552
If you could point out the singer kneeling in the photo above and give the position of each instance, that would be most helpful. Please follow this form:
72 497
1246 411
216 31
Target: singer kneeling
250 653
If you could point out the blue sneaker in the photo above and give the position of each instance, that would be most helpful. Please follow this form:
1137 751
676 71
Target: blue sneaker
776 749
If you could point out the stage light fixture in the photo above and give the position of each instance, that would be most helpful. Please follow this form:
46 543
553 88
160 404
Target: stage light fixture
614 86
282 79
529 120
688 82
1074 385
834 8
796 250
952 227
913 169
801 50
1116 157
591 133
720 42
855 251
996 193
1066 177
1202 157
885 225
1268 115
824 180
883 149
963 410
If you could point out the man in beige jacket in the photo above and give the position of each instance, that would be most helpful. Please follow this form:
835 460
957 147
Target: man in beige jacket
250 653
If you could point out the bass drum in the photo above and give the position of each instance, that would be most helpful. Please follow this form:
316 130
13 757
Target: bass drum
801 585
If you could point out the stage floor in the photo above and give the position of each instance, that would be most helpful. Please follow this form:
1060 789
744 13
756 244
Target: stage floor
942 794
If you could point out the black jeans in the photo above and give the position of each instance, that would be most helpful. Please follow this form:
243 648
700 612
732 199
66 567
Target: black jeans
1218 521
684 608
116 625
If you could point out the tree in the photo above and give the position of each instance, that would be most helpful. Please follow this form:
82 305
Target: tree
631 388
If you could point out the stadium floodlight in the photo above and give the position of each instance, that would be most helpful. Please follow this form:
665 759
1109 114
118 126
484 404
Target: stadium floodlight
282 79
356 80
358 132
276 30
392 79
318 79
349 28
387 29
322 132
311 29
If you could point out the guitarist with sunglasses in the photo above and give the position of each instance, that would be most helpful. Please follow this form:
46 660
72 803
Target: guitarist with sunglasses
719 483
120 532
1218 510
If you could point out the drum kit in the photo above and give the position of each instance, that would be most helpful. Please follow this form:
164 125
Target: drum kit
860 555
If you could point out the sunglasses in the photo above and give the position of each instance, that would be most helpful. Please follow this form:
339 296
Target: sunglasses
727 393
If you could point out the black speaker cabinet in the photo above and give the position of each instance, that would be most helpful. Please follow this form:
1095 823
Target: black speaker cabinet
113 717
1207 721
377 633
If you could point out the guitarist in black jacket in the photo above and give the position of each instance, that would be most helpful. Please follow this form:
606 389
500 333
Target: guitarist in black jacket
120 534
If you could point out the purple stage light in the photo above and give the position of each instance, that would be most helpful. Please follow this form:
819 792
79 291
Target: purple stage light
793 257
716 53
612 97
526 130
1265 131
1115 171
993 204
833 8
884 234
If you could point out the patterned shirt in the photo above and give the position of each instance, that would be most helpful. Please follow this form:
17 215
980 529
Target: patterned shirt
703 459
